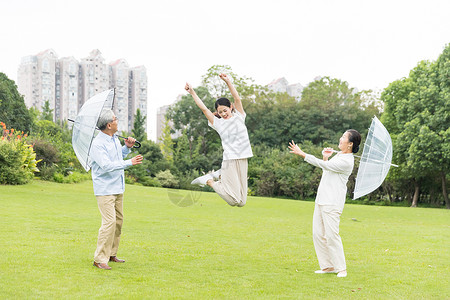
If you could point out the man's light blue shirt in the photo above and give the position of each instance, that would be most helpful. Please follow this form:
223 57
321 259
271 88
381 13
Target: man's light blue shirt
108 166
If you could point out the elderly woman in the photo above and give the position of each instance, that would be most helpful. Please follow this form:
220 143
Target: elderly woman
330 201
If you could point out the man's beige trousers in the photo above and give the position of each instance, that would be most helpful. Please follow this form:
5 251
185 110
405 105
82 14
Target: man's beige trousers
111 209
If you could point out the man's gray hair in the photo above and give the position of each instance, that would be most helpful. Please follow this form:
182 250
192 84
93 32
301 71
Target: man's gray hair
106 116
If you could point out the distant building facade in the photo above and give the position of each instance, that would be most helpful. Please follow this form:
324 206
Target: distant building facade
37 79
94 75
67 84
281 85
161 121
120 80
138 93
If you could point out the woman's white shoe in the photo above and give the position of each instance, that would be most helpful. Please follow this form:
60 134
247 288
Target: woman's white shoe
323 272
202 180
342 274
216 174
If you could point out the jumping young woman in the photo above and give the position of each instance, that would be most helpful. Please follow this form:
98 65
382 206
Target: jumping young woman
229 122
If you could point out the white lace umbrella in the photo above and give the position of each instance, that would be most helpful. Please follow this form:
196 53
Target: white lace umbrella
375 160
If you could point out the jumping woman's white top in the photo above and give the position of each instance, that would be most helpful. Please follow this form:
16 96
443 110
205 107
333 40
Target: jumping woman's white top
234 136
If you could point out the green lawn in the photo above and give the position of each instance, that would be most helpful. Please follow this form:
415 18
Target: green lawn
210 250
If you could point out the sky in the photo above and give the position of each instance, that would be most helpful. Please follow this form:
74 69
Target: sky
366 43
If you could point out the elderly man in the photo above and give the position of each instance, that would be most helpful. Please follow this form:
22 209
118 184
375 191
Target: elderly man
108 164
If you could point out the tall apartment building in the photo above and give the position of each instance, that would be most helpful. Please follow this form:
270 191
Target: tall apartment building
119 80
69 95
67 84
95 76
138 92
37 79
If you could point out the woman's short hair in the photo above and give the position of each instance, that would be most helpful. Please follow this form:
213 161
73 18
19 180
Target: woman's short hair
106 116
355 138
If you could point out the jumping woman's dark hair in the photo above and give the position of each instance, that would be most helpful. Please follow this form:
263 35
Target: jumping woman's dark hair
222 102
355 138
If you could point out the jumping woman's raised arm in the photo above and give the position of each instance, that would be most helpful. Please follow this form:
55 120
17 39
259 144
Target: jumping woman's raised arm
234 93
209 115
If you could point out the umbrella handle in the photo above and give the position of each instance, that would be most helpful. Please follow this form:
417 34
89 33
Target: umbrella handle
137 144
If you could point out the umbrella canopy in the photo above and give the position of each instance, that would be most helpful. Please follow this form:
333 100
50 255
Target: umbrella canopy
375 160
85 125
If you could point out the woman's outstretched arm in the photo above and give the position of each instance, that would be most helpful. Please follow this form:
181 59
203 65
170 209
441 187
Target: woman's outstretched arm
209 115
234 93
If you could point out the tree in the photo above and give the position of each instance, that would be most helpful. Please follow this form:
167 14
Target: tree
166 142
182 155
417 116
272 119
153 163
217 87
139 126
186 116
13 111
443 118
328 108
333 107
47 112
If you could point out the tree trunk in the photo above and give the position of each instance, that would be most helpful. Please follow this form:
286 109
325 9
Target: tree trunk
388 190
433 199
416 194
444 191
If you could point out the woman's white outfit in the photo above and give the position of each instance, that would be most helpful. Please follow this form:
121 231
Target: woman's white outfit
233 186
330 202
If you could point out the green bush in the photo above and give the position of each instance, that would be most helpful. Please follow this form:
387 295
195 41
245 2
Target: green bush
184 180
153 162
53 146
46 152
130 179
74 177
17 162
275 172
47 172
167 179
150 181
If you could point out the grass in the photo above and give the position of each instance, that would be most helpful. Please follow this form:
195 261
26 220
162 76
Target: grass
209 250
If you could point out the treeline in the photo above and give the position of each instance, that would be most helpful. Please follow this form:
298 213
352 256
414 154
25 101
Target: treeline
415 110
328 107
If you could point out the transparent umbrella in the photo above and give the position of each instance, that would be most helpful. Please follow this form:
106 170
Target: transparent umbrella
375 160
85 125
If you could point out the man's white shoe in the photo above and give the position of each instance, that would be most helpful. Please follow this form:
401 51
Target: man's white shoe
342 274
201 181
323 272
216 174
